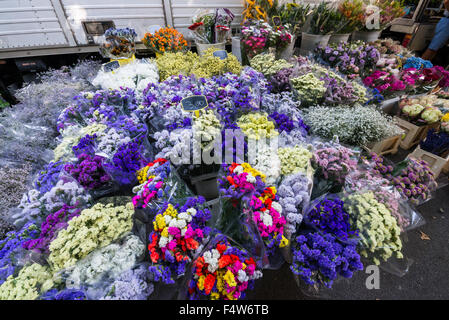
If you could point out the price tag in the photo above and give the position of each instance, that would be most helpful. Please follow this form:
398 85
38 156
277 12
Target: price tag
222 54
111 66
194 104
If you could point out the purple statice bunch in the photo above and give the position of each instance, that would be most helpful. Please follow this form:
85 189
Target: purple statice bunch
66 294
70 116
185 123
103 113
283 122
85 145
334 163
320 259
202 216
338 92
11 248
280 81
88 171
436 142
159 273
126 161
53 223
48 177
329 216
132 284
129 124
293 193
125 98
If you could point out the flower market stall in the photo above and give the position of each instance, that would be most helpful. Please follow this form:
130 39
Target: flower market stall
185 175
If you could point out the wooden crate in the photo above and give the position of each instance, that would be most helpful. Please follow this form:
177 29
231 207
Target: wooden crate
413 133
387 146
437 164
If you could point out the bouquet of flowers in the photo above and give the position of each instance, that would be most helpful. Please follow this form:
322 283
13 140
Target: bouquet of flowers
11 249
28 284
237 183
103 264
135 75
378 230
411 177
211 27
133 284
158 182
178 236
352 59
293 193
420 111
320 259
267 214
328 215
165 40
53 223
255 37
357 126
223 271
268 65
89 172
124 164
94 228
334 163
321 21
118 43
294 159
308 88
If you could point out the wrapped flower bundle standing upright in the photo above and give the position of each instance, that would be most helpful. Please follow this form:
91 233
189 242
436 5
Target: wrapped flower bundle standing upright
320 259
267 214
11 248
293 193
157 183
378 230
222 272
411 177
118 43
329 216
178 236
89 171
255 37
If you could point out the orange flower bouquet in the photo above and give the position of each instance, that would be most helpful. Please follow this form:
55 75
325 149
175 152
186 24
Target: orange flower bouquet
165 40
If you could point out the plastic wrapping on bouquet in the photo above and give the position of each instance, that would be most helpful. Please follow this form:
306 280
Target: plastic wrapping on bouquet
235 221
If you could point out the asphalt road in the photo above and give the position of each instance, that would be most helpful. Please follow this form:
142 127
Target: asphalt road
427 276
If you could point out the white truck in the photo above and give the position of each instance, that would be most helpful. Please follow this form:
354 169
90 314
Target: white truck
47 27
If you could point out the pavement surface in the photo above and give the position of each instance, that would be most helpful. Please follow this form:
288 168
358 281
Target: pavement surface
426 251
